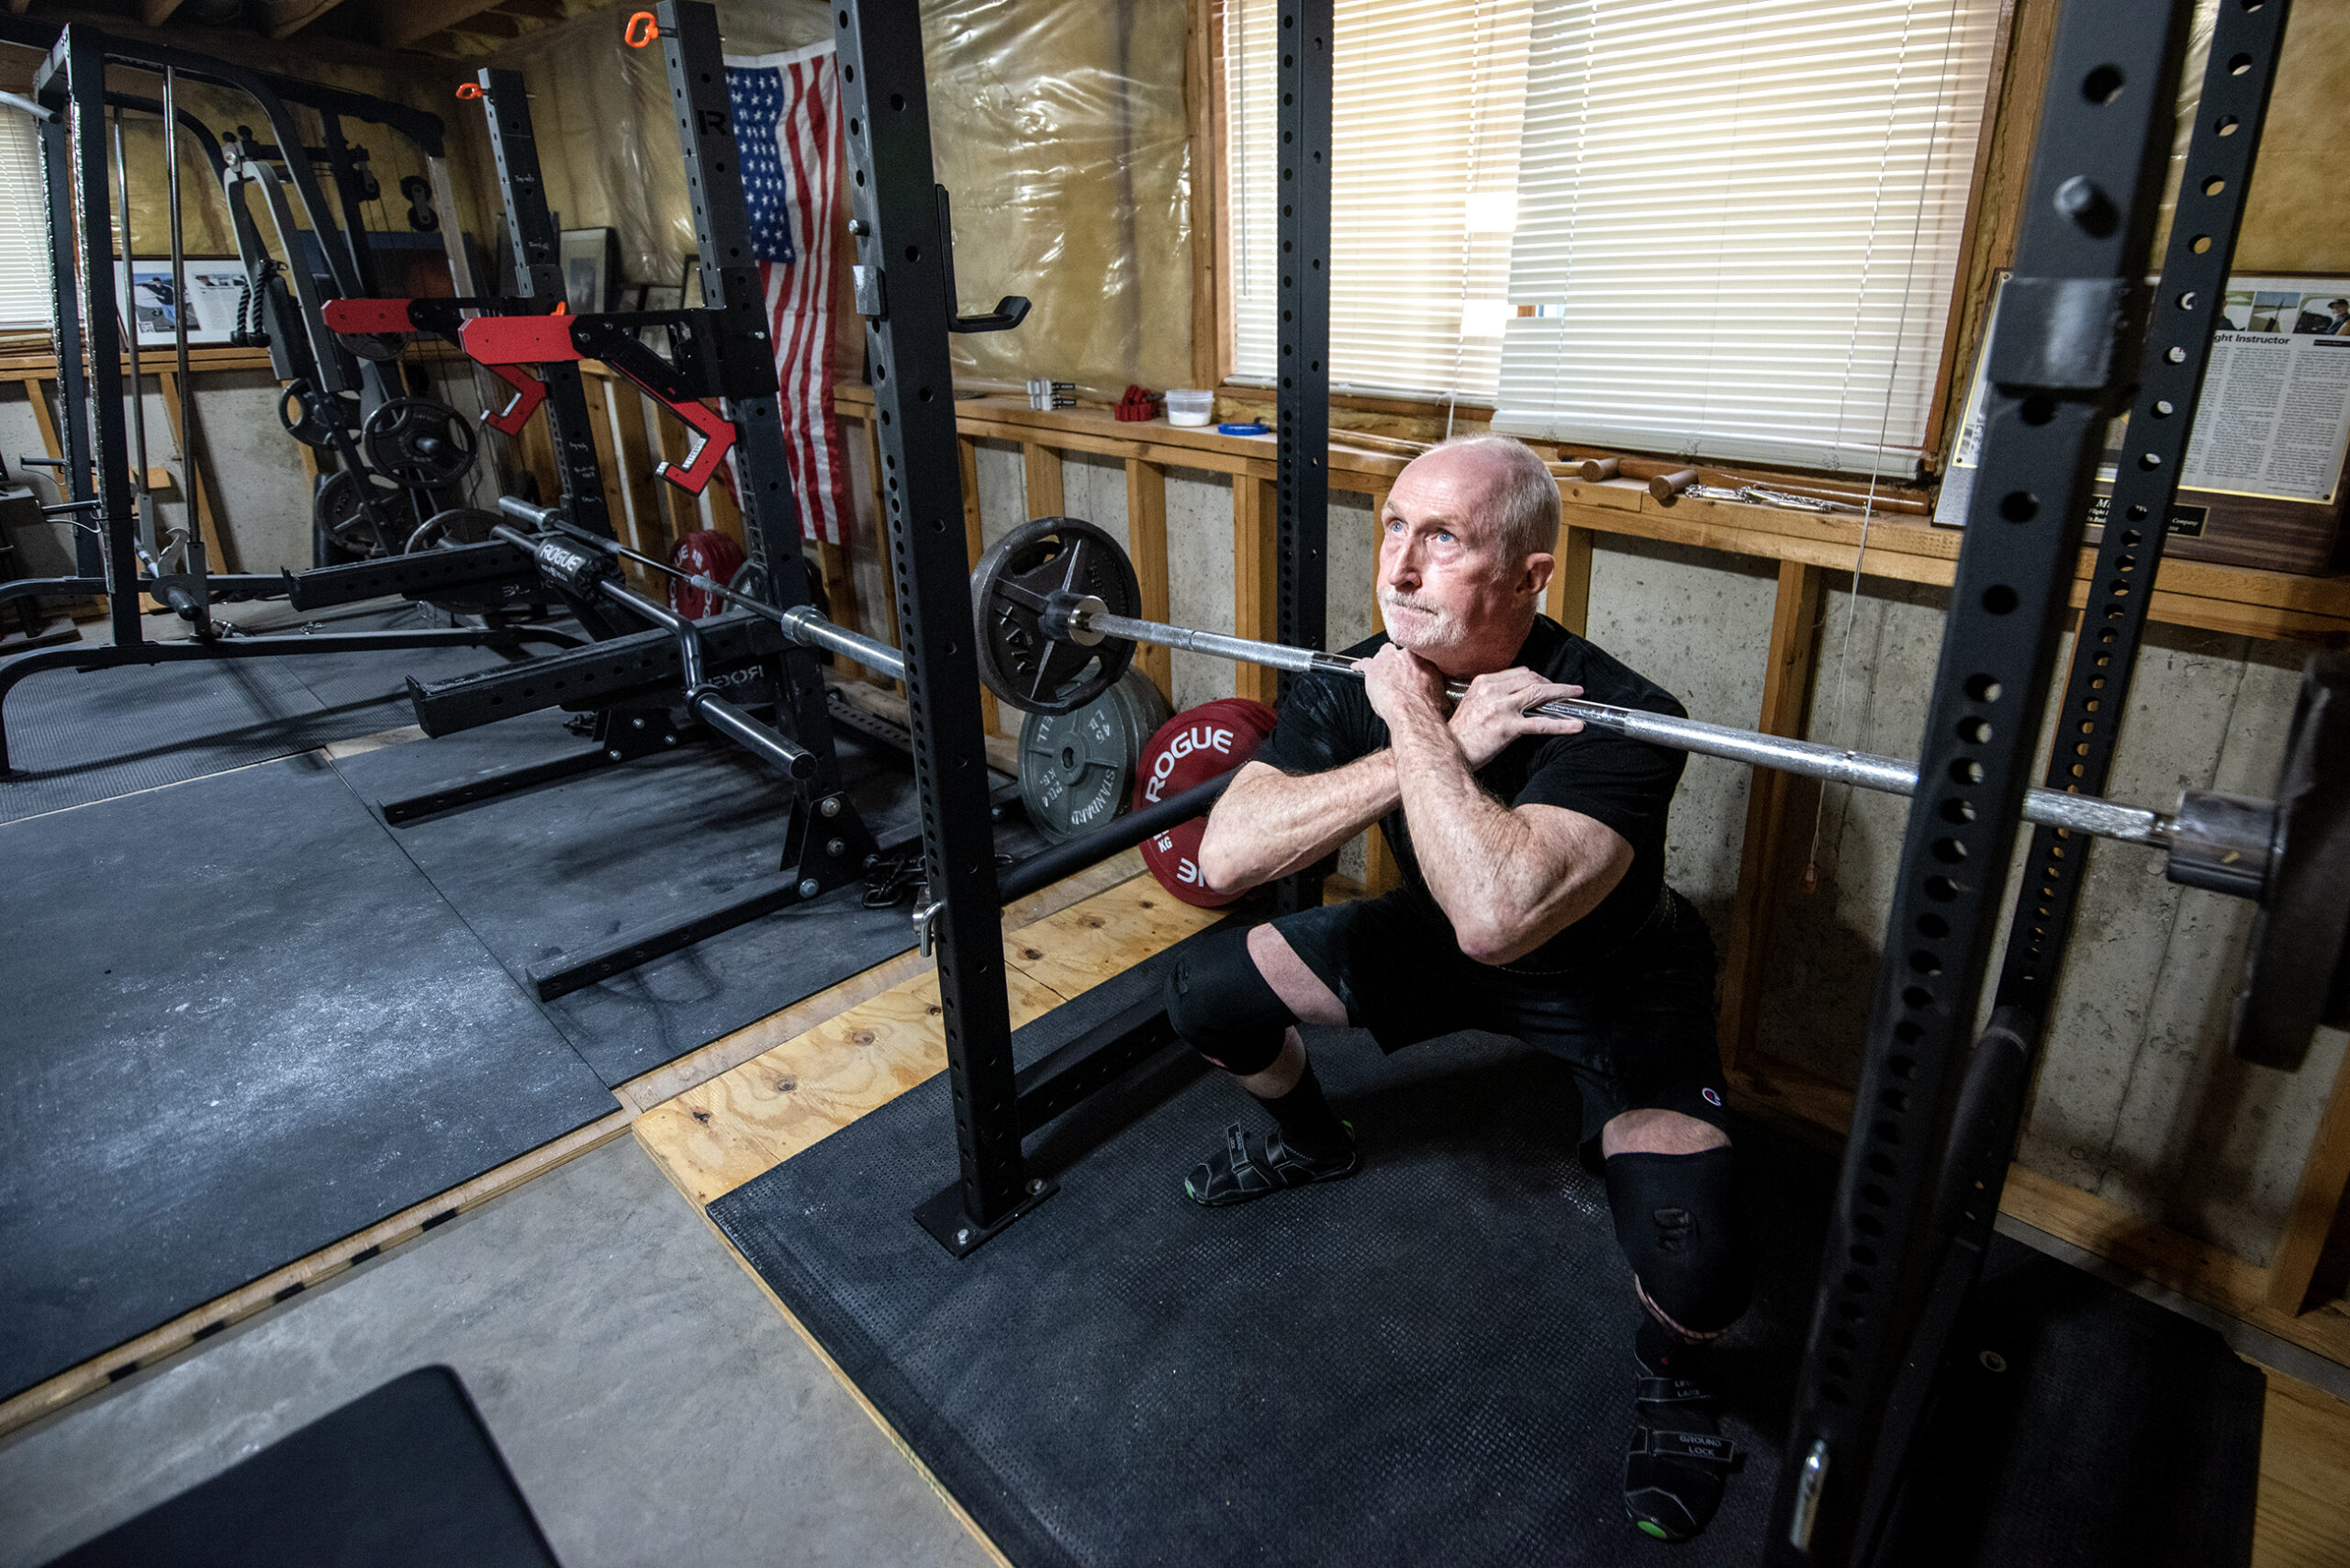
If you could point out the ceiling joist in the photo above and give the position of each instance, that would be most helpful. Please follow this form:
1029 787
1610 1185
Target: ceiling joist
405 26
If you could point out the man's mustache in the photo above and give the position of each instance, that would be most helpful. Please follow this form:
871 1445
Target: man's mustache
1395 601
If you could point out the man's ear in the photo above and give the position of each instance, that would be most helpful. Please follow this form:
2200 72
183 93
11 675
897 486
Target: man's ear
1537 578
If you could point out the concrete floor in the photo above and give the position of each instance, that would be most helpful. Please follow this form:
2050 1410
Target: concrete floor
653 1405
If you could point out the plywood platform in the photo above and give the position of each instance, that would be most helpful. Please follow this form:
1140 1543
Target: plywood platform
718 1134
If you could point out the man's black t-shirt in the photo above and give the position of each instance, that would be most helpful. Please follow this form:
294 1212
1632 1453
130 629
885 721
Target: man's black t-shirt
1327 721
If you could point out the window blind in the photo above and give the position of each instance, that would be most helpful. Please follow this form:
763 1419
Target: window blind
1739 222
24 226
1425 134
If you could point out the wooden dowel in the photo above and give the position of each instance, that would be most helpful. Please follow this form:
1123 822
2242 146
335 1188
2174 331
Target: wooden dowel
1667 486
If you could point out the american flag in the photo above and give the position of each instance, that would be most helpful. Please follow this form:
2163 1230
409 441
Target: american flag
787 129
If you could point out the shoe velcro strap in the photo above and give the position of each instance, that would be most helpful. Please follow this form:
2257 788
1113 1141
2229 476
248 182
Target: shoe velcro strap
1698 1445
1243 1163
1668 1391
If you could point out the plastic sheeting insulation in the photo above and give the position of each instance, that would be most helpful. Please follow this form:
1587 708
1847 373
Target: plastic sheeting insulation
1058 125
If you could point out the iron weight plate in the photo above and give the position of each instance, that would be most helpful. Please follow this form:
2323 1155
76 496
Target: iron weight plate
337 511
2297 972
1077 770
419 442
1017 661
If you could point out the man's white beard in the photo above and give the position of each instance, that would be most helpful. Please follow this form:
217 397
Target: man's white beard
1432 628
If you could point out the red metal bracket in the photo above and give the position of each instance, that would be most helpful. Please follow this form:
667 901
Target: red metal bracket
518 339
496 341
529 393
366 315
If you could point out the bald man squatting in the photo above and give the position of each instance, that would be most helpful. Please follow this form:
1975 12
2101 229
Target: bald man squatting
1533 904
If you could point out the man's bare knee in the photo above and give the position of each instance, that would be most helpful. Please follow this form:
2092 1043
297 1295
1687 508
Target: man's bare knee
1656 1131
1302 991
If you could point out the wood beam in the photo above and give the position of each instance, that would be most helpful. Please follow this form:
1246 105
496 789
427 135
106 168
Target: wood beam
1567 603
624 407
202 497
1776 805
2317 1201
881 544
1255 584
283 20
411 22
490 24
1147 547
1042 467
967 460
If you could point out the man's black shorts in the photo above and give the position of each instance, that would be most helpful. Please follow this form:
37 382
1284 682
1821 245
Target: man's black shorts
1635 1022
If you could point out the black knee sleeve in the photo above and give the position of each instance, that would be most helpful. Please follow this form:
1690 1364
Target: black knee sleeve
1677 1222
1222 1006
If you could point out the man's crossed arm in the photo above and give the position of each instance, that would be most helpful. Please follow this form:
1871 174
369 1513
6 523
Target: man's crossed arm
1508 878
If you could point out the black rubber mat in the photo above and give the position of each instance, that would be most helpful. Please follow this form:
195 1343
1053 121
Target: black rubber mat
546 871
1428 1363
407 1475
76 737
241 1026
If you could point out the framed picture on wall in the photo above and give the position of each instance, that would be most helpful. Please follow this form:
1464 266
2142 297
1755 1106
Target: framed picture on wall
214 285
660 296
591 269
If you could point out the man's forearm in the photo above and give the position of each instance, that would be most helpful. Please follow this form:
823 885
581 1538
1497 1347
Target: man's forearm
1271 823
1465 840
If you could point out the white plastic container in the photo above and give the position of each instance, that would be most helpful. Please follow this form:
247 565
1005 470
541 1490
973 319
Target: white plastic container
1187 406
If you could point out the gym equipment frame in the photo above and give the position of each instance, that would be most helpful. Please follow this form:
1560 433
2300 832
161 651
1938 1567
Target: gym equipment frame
726 351
71 86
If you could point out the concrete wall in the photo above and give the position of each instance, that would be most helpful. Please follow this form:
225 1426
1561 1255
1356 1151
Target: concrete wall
2138 1099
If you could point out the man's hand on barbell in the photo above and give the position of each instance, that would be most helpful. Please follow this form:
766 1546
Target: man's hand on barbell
1494 712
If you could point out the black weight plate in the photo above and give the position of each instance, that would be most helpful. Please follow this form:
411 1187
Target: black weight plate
1017 661
1077 770
311 418
458 525
2297 974
338 512
380 347
419 442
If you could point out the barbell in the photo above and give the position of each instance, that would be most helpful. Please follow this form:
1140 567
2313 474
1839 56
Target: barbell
1053 610
1055 604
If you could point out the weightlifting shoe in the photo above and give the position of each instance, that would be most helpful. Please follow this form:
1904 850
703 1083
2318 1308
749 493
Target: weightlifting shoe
1244 1169
1677 1462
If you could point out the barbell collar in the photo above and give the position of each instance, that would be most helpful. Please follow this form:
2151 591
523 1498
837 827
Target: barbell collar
521 510
2224 842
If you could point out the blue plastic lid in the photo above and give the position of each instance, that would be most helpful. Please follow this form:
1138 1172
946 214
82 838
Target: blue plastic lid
1250 429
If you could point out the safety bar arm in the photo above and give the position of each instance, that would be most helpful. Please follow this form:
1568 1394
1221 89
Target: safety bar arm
445 318
594 572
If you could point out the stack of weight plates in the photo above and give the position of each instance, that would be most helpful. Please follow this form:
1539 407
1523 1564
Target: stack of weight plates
1077 770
